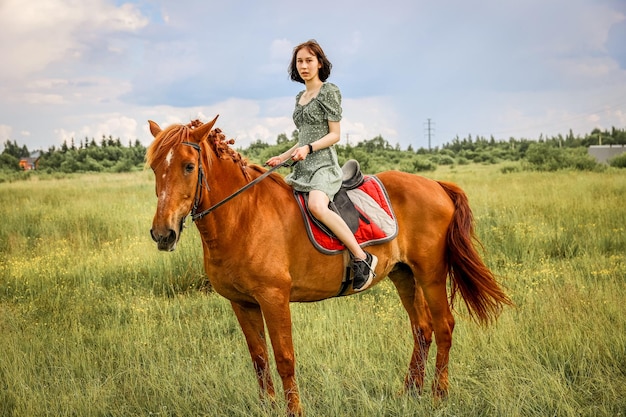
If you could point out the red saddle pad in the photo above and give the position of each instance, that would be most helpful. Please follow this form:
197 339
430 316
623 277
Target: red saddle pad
372 201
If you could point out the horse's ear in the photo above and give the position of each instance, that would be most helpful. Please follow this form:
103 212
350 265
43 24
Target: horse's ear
201 133
154 128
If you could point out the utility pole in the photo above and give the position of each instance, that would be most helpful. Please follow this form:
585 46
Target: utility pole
429 129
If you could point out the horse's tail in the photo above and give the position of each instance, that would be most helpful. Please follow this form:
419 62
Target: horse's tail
469 275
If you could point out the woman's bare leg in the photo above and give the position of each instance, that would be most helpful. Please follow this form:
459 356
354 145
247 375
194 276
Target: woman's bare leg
318 205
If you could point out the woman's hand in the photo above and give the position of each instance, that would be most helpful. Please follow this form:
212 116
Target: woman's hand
300 153
273 161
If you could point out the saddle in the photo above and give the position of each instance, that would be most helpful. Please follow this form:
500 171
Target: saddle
362 202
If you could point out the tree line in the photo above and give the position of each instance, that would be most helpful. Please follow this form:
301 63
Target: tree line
544 154
109 155
374 155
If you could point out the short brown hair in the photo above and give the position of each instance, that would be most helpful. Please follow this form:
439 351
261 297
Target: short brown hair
316 49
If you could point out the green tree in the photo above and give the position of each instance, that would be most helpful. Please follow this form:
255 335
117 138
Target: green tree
12 148
282 138
9 162
618 161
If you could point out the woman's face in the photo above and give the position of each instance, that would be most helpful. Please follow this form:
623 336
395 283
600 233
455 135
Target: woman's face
307 64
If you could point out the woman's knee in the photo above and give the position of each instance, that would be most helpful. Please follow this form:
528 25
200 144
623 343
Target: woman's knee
318 205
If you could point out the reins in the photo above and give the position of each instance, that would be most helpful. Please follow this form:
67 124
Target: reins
202 179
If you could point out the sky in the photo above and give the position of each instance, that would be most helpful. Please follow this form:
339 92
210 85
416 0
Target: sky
76 69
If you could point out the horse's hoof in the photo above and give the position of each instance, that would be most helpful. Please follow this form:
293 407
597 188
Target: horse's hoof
440 395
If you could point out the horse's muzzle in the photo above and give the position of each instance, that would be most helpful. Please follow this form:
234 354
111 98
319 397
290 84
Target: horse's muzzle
165 241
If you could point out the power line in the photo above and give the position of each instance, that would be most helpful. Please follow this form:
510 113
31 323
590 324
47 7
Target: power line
429 131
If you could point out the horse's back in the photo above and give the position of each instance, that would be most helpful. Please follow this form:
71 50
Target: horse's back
424 212
417 196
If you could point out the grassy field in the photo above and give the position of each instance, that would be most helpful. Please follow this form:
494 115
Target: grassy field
94 321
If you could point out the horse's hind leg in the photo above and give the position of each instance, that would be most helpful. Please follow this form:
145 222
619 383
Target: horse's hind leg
251 321
414 303
443 326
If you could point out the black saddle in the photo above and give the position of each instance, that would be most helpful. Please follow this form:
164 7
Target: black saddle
341 204
352 175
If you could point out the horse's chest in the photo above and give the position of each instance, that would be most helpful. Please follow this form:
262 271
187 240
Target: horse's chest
228 282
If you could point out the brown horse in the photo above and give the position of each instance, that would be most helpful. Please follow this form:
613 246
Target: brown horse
257 253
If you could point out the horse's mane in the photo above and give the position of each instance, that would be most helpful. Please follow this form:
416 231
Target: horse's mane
170 137
274 176
176 134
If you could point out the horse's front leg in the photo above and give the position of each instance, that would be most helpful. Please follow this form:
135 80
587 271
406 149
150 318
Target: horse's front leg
275 306
251 321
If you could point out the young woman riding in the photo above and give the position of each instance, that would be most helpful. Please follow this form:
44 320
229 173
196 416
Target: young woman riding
317 116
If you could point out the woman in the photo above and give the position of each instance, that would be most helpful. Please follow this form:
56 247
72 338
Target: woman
317 115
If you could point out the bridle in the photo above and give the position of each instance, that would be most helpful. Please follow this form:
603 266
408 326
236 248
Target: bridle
202 183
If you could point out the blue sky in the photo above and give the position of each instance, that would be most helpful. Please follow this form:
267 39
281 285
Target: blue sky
520 68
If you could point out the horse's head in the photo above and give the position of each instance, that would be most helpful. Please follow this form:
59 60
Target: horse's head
174 156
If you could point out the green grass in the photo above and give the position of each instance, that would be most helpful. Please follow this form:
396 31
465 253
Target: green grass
94 321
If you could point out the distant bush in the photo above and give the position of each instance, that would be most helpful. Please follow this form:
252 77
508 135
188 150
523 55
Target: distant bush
506 169
422 164
9 162
417 164
619 161
17 175
442 159
546 157
485 158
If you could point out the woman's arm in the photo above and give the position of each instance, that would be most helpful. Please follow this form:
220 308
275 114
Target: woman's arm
333 136
277 160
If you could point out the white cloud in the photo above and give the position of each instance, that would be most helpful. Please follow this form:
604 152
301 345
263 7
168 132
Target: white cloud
516 69
63 135
37 98
368 117
281 50
118 126
40 32
279 56
5 133
115 125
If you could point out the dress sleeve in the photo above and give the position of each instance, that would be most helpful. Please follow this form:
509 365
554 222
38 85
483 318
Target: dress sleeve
298 96
330 100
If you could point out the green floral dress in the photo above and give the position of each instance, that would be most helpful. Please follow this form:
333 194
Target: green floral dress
319 170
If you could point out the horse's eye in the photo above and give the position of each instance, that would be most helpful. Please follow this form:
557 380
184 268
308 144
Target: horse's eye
189 168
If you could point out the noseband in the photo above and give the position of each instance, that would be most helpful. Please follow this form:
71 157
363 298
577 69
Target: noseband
202 180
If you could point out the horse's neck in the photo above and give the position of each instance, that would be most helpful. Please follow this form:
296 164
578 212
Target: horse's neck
227 222
224 177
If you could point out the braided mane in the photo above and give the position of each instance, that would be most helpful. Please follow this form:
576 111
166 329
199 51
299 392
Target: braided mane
176 134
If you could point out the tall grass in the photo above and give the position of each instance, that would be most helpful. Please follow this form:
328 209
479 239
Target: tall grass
94 321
